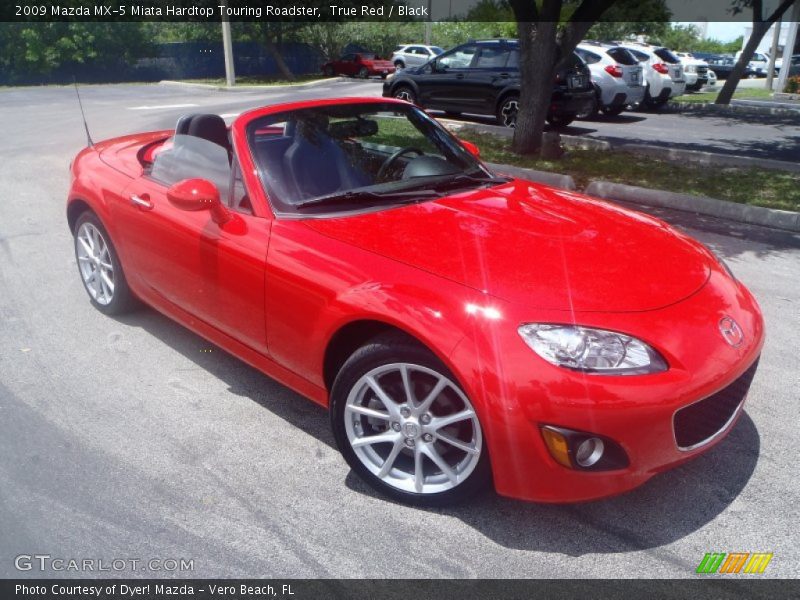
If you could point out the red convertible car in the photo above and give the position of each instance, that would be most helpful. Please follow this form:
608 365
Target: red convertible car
461 326
363 65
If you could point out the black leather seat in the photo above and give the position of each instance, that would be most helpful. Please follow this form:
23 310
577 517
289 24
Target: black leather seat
315 165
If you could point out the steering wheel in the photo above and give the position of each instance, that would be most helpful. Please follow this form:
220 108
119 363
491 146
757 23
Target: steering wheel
393 158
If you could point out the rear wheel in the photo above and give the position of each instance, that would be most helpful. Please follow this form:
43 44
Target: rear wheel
329 72
560 120
405 426
507 111
613 111
363 73
399 65
99 267
404 92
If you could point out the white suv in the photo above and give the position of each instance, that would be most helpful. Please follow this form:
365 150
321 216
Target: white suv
663 73
694 70
413 55
616 75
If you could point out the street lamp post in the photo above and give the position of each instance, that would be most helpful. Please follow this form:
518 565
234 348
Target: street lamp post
227 46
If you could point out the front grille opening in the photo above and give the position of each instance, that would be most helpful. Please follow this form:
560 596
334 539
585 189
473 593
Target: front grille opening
699 423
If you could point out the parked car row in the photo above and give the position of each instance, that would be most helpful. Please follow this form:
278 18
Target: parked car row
482 77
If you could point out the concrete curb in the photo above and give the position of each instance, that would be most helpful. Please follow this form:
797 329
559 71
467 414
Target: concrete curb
738 106
558 180
249 88
709 158
756 215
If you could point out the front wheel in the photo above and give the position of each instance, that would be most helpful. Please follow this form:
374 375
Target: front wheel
507 112
329 72
403 92
363 73
405 426
99 267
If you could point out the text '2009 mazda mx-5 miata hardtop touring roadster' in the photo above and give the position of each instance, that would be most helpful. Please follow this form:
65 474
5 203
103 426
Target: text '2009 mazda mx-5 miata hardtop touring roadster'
462 327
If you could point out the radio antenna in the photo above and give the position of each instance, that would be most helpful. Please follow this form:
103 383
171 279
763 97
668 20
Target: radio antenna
83 115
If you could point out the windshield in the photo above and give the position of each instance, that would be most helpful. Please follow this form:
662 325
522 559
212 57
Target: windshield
351 156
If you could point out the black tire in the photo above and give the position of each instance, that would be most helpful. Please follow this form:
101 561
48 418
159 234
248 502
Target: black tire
507 111
399 65
122 299
404 92
613 111
559 121
329 72
386 351
363 73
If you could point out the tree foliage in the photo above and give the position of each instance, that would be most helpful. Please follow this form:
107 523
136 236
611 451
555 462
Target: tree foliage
41 47
761 23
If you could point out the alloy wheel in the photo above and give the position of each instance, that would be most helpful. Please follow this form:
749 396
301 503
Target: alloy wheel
508 113
413 428
95 264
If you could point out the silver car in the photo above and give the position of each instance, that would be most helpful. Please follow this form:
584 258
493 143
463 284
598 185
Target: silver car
413 55
616 75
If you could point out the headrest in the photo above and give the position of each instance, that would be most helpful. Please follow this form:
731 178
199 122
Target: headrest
182 127
354 128
209 127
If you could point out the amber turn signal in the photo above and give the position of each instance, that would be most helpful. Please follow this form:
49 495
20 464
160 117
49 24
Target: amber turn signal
557 445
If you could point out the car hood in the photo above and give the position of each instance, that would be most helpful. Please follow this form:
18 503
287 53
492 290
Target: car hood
531 244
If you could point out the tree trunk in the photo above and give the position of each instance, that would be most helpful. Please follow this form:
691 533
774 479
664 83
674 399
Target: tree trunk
537 60
273 50
726 93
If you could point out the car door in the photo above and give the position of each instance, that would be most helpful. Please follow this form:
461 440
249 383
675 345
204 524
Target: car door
214 272
488 75
346 65
445 84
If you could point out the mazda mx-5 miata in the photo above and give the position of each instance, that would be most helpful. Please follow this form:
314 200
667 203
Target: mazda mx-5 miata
462 327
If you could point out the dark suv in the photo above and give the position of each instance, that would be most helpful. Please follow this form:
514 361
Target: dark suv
482 77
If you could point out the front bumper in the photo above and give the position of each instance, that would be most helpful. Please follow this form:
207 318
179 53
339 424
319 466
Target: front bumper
636 412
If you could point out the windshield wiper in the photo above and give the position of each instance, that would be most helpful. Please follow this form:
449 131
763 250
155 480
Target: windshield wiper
355 195
467 178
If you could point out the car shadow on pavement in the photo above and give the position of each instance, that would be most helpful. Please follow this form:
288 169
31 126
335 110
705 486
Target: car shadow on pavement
241 379
667 508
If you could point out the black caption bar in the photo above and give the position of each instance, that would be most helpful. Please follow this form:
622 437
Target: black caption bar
333 10
398 589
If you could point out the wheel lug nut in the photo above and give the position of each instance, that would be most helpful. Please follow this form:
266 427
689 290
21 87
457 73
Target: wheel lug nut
425 419
396 426
405 412
409 442
427 437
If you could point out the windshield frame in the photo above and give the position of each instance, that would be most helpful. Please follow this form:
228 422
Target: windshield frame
287 210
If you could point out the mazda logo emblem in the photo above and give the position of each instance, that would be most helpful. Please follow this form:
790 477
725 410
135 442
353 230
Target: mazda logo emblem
731 332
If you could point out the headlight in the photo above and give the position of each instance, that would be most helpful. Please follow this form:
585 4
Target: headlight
592 350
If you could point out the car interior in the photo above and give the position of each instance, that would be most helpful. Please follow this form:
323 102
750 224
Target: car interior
305 154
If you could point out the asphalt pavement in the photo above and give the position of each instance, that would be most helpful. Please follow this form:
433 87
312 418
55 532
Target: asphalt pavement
132 438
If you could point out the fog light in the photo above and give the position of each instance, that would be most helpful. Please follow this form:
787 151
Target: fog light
589 452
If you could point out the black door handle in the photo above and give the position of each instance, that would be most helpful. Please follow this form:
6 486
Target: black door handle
459 76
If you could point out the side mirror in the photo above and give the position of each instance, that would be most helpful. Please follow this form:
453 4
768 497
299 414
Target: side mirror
438 67
471 148
198 194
